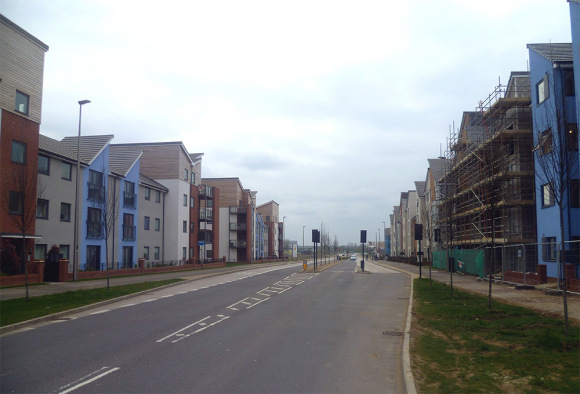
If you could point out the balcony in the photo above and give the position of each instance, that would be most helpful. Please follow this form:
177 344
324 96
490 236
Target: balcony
205 214
238 244
94 230
205 191
129 200
238 227
129 232
96 192
237 210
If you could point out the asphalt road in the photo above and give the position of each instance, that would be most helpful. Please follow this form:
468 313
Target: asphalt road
271 329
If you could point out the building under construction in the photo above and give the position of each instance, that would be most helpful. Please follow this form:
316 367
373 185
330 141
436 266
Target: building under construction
489 182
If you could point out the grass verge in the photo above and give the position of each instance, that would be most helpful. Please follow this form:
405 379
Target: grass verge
460 345
17 310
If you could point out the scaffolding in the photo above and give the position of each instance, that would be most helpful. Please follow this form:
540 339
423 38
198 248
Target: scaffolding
490 175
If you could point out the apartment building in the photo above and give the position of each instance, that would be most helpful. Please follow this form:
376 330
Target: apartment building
555 131
150 230
21 74
170 164
270 212
236 209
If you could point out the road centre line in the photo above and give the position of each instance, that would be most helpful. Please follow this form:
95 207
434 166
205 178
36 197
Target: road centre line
84 383
183 329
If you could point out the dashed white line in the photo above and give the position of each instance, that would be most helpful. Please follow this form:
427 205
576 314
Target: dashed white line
84 383
99 312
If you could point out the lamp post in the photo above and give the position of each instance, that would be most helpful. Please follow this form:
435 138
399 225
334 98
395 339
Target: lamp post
385 238
283 237
76 225
303 239
379 244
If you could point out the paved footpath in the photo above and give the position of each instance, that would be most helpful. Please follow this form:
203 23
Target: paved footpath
534 298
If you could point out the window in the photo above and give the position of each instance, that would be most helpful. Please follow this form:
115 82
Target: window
185 174
21 102
128 227
64 250
569 82
94 224
147 194
192 227
549 248
575 193
129 196
18 154
156 253
510 148
40 252
43 165
64 212
545 142
127 257
157 224
192 177
547 196
93 258
146 223
66 171
146 252
15 203
542 90
157 196
185 226
572 134
41 209
96 189
184 253
192 202
185 200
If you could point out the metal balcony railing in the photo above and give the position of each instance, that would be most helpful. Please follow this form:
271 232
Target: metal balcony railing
129 233
129 200
94 230
238 226
237 244
96 192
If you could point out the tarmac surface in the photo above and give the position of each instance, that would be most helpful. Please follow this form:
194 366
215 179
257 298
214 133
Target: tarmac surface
535 298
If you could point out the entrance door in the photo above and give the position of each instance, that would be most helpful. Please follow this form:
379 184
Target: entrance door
93 258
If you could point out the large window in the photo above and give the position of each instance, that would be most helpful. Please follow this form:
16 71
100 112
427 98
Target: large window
575 193
547 196
128 227
21 103
93 258
127 257
545 142
549 248
40 252
543 90
96 189
94 224
64 212
146 223
41 209
43 165
15 203
129 196
66 171
64 250
18 154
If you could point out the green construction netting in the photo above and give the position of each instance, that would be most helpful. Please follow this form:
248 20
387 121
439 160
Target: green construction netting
467 261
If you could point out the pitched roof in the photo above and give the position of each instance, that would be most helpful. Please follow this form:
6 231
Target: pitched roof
90 145
123 159
420 187
146 181
195 157
553 52
56 148
437 167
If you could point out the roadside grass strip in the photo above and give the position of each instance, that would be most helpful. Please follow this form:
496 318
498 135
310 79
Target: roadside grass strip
17 310
460 345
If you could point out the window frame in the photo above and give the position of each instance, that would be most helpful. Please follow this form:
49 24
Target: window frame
23 145
544 87
146 223
62 171
158 196
62 205
545 142
185 200
43 171
575 193
13 195
145 252
157 224
185 226
572 136
547 192
147 194
17 102
156 253
549 249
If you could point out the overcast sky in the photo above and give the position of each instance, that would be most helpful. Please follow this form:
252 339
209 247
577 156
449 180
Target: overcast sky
329 108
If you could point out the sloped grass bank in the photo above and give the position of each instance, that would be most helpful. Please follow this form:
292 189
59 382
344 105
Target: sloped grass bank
460 345
17 310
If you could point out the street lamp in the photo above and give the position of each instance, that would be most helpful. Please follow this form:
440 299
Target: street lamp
303 240
283 237
76 225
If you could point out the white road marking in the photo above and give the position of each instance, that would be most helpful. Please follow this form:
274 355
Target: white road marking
99 312
84 383
184 328
259 302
